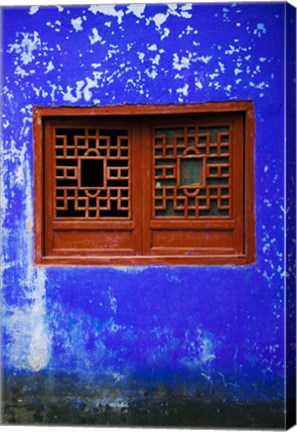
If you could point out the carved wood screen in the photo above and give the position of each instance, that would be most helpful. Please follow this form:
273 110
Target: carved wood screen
120 187
92 173
192 172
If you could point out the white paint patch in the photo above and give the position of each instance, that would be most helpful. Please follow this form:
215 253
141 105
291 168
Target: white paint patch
260 30
267 203
233 50
156 60
151 73
108 10
172 7
39 349
265 247
132 270
187 31
260 86
95 37
213 76
136 9
96 65
19 326
183 90
82 89
50 67
166 33
204 59
198 83
33 10
222 67
111 52
160 19
67 96
21 72
141 56
26 48
90 84
113 303
152 47
30 345
185 8
180 63
54 89
5 123
207 353
77 24
178 76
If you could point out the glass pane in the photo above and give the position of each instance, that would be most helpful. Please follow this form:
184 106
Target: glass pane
213 131
170 211
191 172
214 210
170 134
208 157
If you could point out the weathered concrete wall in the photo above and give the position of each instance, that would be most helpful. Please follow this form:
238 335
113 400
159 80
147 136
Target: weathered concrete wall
103 340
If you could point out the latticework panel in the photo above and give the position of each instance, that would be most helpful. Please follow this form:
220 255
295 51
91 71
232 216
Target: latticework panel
92 173
192 172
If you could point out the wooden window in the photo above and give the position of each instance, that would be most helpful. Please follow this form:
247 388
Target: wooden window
145 184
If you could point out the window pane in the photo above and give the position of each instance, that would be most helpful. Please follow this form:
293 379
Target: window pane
192 169
92 173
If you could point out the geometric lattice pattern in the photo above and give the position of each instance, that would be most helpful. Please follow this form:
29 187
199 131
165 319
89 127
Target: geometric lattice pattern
192 172
92 173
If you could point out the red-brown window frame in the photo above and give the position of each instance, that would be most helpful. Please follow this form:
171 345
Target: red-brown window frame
141 229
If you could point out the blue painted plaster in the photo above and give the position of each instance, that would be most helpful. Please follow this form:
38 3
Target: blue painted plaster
205 327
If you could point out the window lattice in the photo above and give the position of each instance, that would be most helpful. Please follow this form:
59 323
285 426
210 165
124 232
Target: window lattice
144 184
92 173
192 172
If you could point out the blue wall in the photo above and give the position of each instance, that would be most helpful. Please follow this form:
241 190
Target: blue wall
213 331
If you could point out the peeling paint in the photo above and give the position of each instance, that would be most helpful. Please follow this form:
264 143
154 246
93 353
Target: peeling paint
217 329
25 49
77 24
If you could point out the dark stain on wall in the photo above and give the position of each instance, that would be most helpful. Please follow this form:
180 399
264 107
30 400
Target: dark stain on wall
56 400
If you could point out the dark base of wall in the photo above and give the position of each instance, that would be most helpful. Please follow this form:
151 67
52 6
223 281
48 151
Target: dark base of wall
27 401
178 413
